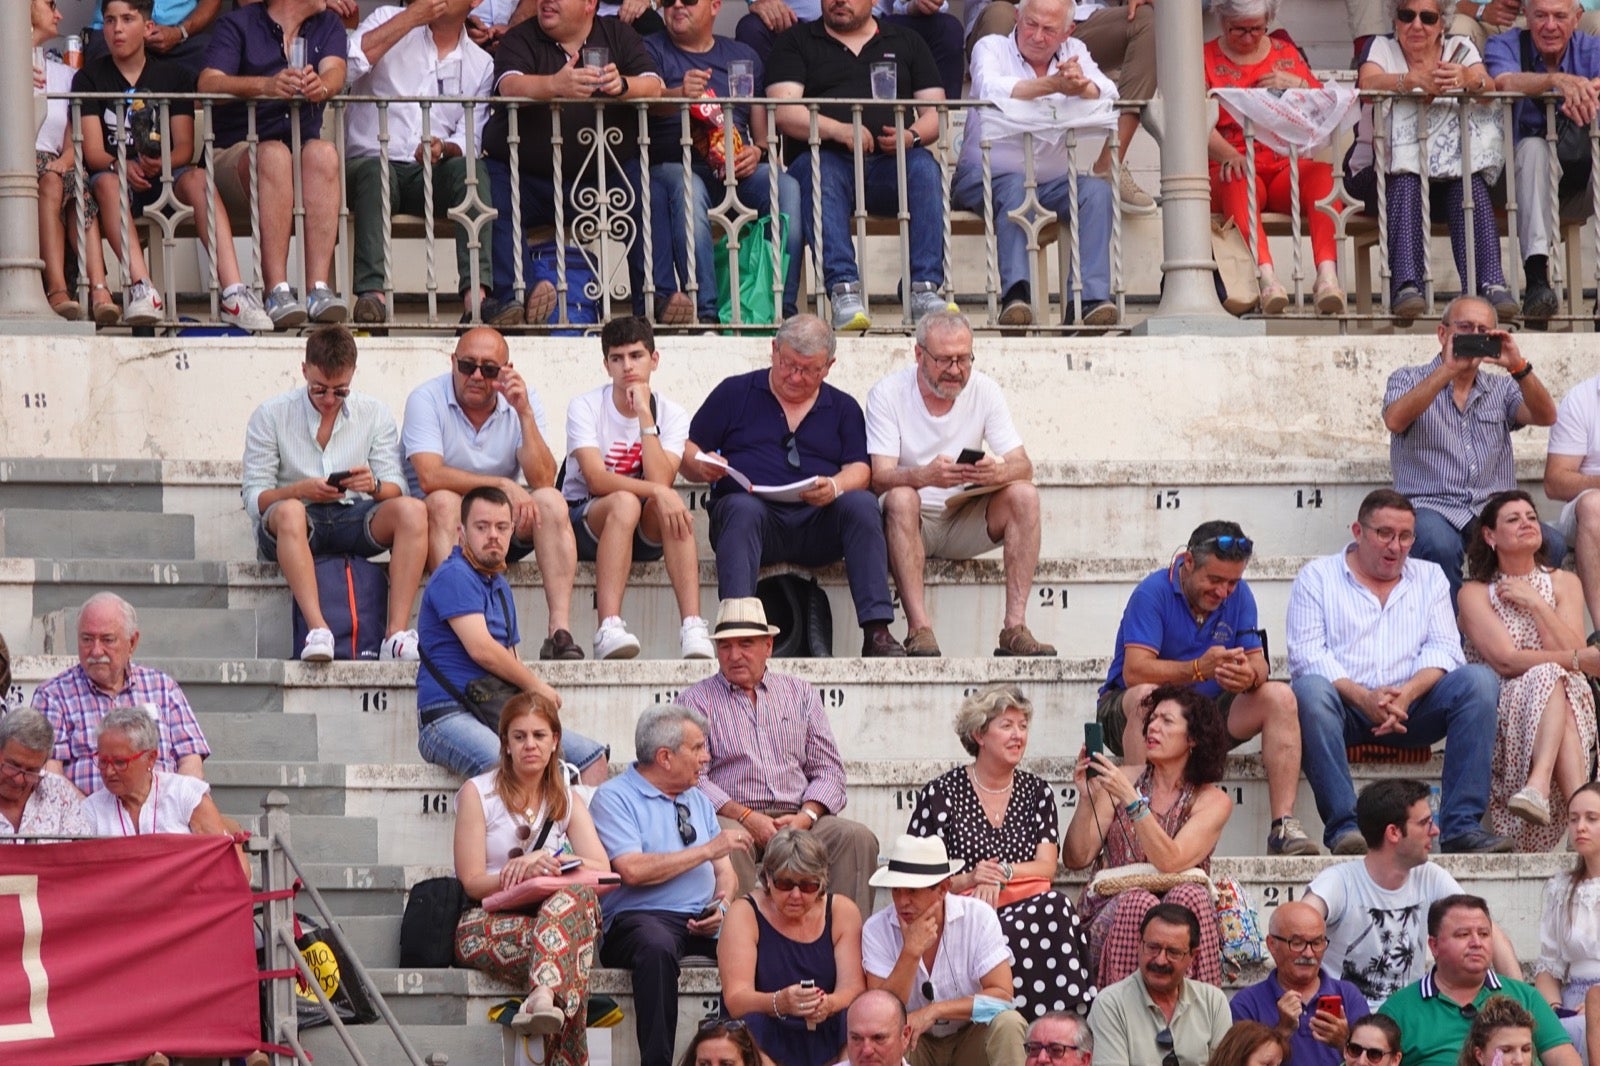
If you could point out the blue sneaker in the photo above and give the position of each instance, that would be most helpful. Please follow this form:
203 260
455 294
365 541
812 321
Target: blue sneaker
325 305
285 308
1477 841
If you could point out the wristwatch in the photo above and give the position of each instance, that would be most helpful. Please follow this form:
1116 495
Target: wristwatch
916 139
650 431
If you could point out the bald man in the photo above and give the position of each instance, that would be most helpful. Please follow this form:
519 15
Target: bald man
1298 998
877 1031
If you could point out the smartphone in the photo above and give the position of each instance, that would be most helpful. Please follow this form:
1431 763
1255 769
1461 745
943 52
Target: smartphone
808 984
711 908
969 456
337 480
1332 1004
1476 345
570 864
1094 740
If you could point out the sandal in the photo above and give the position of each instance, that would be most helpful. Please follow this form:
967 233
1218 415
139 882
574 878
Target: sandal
106 312
1274 299
66 307
1328 297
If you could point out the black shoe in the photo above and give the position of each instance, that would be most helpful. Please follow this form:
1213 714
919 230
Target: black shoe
1407 304
1477 841
560 645
1539 302
879 643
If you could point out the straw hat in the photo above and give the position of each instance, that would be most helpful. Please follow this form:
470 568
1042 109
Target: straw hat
916 862
742 617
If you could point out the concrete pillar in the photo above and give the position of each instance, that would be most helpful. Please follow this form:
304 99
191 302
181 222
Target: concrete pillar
1189 298
23 308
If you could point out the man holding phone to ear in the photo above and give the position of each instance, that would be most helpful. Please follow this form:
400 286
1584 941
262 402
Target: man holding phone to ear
1451 426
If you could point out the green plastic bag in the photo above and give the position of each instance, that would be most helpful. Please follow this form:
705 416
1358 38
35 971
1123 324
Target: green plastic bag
755 271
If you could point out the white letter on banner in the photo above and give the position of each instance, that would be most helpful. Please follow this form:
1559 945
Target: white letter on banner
26 888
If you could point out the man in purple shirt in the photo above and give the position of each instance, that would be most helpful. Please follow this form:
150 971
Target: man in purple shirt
774 762
106 676
1300 999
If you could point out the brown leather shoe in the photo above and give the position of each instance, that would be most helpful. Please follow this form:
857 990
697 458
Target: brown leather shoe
560 645
922 644
879 643
1017 640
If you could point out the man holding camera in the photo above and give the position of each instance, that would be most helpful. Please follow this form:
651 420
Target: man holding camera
1450 448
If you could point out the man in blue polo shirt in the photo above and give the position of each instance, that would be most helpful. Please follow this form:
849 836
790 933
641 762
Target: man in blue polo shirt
785 427
1292 998
1194 623
1435 1014
663 838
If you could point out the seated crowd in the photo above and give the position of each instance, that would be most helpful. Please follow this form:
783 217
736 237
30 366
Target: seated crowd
1046 58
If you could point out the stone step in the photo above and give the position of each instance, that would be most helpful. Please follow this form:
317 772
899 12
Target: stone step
466 1045
108 533
169 632
374 937
259 734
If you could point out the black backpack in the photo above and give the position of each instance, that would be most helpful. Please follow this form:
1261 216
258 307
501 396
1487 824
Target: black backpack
428 929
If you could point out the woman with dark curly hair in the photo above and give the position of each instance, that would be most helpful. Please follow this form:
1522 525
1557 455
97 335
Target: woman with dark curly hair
1250 1043
1168 813
1503 1031
722 1042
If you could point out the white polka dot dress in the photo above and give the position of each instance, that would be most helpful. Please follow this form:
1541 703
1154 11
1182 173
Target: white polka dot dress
1046 938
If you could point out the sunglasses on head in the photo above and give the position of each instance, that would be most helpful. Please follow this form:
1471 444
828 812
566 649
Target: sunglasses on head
1354 1052
728 1025
1409 15
1227 546
686 830
490 371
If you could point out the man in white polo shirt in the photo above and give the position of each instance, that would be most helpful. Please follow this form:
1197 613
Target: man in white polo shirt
1572 473
482 425
945 957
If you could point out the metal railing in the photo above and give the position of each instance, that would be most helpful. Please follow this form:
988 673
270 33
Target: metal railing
608 217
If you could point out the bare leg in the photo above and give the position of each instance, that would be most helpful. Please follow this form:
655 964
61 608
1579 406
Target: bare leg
108 194
1572 762
557 553
52 234
902 525
1270 711
320 182
612 519
1586 547
276 208
444 519
192 191
401 523
1014 521
1127 126
1133 732
682 559
286 521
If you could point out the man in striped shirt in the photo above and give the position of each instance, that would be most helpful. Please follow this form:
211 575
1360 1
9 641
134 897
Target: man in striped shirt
1375 658
774 762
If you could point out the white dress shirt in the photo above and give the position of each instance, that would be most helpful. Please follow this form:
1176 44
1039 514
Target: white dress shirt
280 445
1337 628
997 67
971 945
413 67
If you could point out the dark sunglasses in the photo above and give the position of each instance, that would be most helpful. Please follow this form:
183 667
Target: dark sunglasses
1164 1044
523 833
809 886
793 454
927 991
1410 15
490 371
1469 1011
727 1025
1227 546
1354 1051
685 3
686 830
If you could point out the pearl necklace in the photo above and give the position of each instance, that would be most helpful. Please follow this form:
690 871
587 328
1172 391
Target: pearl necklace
981 787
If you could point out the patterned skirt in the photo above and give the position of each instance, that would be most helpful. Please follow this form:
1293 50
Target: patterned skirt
73 192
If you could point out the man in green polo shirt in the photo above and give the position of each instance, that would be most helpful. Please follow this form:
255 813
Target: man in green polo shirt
1436 1012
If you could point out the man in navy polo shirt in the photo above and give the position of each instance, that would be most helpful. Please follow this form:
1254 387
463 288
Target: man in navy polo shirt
248 58
1290 998
778 427
1194 623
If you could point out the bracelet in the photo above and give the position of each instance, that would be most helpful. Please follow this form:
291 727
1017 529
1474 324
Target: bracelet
745 816
836 495
1518 375
1133 805
809 813
1198 676
775 1011
1139 810
183 32
1575 667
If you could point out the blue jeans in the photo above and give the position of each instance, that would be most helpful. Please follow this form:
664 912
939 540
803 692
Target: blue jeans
1094 224
925 193
463 745
669 254
1461 705
539 209
747 533
1440 542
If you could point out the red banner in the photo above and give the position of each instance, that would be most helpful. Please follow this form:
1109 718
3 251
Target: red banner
112 949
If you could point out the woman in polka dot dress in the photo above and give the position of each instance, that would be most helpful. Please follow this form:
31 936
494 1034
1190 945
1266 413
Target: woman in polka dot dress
1002 822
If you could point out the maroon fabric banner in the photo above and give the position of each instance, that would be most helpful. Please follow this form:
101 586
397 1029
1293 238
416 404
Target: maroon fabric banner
112 949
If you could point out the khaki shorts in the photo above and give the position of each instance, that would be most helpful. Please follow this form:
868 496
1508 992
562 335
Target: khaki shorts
1113 720
235 193
959 534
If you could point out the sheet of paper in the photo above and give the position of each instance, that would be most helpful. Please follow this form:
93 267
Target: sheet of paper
789 493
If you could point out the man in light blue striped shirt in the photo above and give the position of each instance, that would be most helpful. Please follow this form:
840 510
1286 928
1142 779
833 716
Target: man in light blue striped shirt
322 477
1375 658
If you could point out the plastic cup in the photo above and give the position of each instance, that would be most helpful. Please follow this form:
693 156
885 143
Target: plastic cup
885 78
741 78
596 56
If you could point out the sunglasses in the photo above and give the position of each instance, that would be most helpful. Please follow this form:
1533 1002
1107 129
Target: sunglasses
1409 15
1354 1052
467 367
674 3
1169 1057
120 765
523 833
1227 546
809 887
319 391
686 830
793 453
927 991
713 1023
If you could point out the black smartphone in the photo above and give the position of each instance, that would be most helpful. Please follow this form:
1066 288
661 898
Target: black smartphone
711 908
969 456
337 480
1476 345
1095 741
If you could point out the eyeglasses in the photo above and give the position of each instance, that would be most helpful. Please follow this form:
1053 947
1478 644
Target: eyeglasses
809 887
685 3
319 391
1409 15
686 830
1169 1057
11 769
120 765
1247 31
490 371
927 991
1354 1052
1300 943
1470 327
1033 1049
789 369
1469 1011
1227 546
945 362
1402 537
792 456
1160 950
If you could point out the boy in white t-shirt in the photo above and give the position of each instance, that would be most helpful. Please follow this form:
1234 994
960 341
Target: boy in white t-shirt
624 445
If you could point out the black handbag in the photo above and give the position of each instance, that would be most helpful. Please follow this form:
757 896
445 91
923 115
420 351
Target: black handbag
1572 140
487 694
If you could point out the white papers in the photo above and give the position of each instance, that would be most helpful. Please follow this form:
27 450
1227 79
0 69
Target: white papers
789 493
1305 118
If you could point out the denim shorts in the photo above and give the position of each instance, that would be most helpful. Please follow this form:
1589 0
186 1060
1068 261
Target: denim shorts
335 528
645 550
138 200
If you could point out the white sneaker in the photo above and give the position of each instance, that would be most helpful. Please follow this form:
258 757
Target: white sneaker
401 647
143 307
319 647
242 309
694 639
613 641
